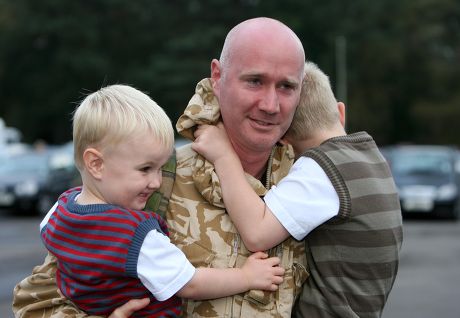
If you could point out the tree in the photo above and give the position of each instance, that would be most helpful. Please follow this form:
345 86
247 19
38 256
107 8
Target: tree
401 57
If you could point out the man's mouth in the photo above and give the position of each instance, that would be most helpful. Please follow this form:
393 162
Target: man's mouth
263 122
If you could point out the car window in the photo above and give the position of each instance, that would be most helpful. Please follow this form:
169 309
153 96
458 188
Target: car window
457 162
25 164
421 163
61 160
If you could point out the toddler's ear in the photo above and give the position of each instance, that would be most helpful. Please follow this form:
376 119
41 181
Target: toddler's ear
341 108
285 140
94 162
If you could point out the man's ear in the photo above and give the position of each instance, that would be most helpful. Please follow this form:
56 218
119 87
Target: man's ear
94 162
216 75
341 108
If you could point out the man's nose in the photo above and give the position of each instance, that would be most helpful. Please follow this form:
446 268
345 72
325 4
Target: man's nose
270 101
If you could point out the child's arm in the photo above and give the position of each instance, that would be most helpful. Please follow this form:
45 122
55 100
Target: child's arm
259 272
259 228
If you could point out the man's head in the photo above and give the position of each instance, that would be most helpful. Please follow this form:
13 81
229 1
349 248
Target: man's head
318 110
114 114
257 82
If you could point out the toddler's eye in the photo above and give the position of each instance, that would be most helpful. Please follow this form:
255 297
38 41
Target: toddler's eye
145 169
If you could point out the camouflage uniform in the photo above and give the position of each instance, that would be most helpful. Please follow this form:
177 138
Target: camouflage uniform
200 226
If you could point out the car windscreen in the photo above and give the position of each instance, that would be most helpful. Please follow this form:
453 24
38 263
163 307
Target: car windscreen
421 163
25 164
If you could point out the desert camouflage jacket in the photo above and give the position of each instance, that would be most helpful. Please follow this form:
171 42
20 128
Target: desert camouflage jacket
200 226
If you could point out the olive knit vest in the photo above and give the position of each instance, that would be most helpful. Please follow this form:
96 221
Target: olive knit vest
353 258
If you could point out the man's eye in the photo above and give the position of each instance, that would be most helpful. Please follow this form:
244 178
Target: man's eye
254 81
145 169
287 86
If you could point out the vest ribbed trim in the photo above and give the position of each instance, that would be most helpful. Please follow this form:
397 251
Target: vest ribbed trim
337 181
142 230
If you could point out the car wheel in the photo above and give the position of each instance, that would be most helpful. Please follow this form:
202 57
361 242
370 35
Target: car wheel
455 213
451 213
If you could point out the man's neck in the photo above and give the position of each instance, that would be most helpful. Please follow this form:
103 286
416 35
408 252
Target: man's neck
254 163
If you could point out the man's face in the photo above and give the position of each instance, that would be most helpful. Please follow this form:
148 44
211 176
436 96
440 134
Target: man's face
258 92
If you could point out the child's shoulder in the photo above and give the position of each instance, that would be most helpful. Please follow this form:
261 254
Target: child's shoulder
147 217
64 197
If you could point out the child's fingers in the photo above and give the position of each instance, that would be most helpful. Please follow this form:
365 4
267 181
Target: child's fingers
278 270
274 261
259 255
277 280
200 129
273 287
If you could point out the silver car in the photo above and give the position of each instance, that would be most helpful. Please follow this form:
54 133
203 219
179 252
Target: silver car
427 178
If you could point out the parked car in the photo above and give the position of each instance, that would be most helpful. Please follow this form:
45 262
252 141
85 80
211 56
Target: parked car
26 179
62 175
427 178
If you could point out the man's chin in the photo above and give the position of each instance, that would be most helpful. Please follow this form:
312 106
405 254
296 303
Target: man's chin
264 142
257 140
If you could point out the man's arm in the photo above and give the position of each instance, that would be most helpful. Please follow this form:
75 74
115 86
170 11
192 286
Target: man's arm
38 296
259 228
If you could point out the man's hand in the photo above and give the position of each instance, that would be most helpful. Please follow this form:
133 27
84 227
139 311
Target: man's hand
129 308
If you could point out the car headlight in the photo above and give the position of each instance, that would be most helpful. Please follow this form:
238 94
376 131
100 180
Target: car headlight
447 192
26 188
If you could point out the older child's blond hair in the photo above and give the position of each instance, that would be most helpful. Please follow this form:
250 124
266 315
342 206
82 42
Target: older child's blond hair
113 113
317 108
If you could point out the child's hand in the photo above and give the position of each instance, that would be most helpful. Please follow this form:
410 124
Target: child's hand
212 142
262 272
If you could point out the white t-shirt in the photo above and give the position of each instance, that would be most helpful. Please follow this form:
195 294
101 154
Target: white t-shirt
162 267
304 199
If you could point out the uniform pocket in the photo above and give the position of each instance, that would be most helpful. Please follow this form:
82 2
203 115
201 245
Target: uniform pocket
197 254
260 298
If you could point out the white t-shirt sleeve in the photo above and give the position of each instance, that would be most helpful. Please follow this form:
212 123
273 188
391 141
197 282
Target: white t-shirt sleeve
304 199
47 216
162 267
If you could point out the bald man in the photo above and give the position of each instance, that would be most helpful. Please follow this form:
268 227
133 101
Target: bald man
254 90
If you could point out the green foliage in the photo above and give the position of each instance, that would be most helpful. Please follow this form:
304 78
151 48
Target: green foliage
401 56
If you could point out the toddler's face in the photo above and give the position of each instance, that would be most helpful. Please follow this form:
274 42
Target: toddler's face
132 171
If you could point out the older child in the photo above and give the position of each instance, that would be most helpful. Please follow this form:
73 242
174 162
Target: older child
340 192
109 251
